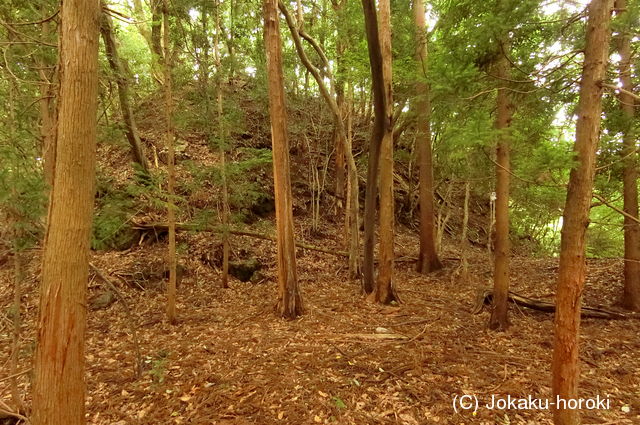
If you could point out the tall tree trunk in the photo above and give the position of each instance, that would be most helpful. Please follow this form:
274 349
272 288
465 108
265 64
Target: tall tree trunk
169 143
631 294
341 47
571 272
47 108
15 221
498 319
131 129
59 389
156 28
338 143
141 21
464 239
152 33
379 128
222 140
203 63
427 257
231 39
289 297
351 216
384 291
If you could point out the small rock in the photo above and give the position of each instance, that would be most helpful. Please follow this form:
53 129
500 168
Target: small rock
103 300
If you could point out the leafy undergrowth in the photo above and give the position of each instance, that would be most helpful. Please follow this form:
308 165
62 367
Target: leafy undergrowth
230 360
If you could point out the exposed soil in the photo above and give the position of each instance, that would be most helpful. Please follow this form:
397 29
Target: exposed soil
230 360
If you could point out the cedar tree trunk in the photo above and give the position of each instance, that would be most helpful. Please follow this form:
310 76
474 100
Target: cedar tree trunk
571 272
427 257
498 319
289 298
631 294
59 389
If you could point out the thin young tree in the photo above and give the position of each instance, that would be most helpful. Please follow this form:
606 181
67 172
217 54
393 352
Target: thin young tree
631 294
351 213
571 272
289 297
384 290
222 138
379 128
122 81
169 144
499 319
428 260
59 388
47 102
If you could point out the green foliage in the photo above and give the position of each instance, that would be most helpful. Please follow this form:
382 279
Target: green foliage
158 363
22 188
339 403
246 176
604 237
113 211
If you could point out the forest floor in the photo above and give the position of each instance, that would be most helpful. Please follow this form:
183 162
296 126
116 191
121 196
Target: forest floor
230 360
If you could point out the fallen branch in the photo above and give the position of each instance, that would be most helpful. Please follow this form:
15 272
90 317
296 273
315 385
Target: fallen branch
6 412
162 227
486 298
375 337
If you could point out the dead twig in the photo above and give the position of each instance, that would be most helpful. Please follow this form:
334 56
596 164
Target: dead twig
15 375
125 304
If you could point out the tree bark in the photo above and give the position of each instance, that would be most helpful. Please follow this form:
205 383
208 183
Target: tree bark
379 128
384 291
223 165
131 129
338 143
156 28
59 389
464 240
571 272
631 293
351 216
289 298
169 143
16 220
499 319
427 257
47 108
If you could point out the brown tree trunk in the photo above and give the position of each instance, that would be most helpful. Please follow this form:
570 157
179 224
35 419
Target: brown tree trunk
141 21
47 111
59 389
379 128
289 298
384 290
464 239
131 129
631 294
351 216
156 28
427 257
498 319
223 165
169 143
15 221
341 47
571 272
339 146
